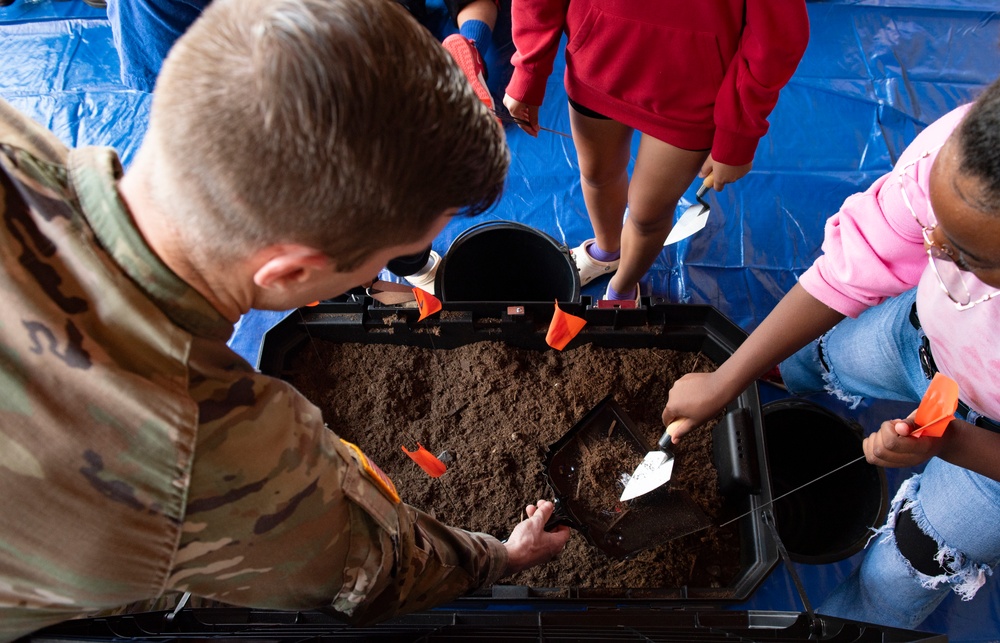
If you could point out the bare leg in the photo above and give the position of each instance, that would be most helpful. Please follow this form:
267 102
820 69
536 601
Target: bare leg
661 175
482 10
603 148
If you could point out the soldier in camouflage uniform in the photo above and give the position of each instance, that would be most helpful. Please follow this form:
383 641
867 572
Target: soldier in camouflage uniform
288 158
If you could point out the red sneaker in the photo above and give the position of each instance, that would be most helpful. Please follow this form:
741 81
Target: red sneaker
471 63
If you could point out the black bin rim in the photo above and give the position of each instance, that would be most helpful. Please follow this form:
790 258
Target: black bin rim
471 258
875 503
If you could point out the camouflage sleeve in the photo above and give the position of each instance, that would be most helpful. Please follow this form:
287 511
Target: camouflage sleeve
281 515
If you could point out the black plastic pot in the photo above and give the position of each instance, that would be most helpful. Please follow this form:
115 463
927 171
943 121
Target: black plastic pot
832 518
506 261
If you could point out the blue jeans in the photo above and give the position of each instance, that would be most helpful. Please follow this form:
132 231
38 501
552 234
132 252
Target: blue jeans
876 356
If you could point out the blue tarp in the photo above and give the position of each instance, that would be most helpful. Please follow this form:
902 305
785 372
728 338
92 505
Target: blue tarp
876 72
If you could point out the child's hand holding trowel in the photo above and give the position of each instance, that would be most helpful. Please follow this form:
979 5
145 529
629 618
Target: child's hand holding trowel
722 174
692 401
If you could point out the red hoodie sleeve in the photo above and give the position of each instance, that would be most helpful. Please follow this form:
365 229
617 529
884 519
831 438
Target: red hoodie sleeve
536 28
774 39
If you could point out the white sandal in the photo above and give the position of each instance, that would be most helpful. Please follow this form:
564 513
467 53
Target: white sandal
590 268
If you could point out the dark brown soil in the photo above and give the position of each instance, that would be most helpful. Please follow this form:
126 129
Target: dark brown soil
491 412
601 465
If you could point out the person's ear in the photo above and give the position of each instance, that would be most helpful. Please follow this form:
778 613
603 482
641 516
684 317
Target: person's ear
288 266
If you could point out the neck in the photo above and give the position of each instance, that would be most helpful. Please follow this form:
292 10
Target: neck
159 228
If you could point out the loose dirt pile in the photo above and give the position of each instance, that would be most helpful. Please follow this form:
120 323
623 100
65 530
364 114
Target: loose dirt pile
491 411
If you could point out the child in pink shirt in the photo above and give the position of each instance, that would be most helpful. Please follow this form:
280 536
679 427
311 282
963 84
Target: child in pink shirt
908 285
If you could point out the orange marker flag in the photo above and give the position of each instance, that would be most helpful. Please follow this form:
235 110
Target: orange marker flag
427 303
427 461
937 407
563 328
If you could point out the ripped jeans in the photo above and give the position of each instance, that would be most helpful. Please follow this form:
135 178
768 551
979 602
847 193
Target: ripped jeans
876 356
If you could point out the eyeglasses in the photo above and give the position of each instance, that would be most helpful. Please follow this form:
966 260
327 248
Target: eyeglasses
950 277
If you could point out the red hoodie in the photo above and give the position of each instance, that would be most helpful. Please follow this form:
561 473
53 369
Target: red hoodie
697 74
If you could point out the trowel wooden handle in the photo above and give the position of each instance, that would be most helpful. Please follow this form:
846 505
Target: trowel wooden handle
706 185
665 442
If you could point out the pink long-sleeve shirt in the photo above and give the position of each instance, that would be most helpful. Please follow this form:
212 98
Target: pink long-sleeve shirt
873 249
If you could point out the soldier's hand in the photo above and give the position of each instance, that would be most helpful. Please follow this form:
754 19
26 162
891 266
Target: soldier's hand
529 544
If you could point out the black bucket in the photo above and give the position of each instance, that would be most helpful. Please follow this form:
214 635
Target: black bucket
506 261
829 519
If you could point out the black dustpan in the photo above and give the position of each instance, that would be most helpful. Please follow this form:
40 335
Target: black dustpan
587 469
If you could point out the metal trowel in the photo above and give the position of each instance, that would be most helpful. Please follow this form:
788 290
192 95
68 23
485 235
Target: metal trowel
654 471
694 218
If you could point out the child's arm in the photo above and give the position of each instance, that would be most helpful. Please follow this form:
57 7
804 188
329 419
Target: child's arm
775 35
536 28
798 319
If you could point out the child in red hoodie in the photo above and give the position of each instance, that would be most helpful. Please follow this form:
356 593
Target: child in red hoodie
697 79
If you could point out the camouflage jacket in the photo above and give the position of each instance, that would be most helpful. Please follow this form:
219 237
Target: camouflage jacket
140 456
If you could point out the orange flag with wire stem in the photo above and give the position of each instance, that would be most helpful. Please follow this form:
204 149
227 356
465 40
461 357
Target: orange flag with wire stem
427 461
937 407
563 328
427 303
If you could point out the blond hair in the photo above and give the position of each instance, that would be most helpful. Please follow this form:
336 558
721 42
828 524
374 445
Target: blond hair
341 124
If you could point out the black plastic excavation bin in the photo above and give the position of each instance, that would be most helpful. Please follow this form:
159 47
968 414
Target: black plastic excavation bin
741 465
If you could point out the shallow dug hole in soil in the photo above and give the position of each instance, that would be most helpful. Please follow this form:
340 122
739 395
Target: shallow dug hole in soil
496 409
